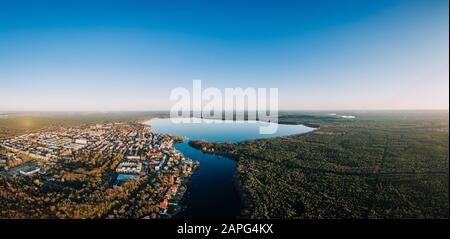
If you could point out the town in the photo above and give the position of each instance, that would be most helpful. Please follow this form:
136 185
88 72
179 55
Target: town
116 153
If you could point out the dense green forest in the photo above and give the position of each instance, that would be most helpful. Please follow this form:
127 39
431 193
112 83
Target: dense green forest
379 165
388 164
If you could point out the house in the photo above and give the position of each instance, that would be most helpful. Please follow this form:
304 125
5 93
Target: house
133 157
163 204
81 141
129 168
29 172
173 189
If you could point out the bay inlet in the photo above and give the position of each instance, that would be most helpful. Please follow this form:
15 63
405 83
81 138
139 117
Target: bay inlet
211 192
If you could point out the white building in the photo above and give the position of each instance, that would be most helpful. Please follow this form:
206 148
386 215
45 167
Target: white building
81 141
31 172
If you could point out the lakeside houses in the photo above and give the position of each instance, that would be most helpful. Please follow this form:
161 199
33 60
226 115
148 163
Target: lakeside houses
115 139
142 153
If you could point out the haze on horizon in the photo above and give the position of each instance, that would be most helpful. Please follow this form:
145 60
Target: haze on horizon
129 55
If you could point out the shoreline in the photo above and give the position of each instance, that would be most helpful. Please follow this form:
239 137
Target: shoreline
211 148
221 149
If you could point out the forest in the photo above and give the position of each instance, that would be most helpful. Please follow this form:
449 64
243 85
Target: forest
380 164
386 164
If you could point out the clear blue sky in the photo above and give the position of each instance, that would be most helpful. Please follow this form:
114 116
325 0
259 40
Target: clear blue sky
128 55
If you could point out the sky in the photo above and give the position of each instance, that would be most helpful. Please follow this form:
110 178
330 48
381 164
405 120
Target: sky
129 55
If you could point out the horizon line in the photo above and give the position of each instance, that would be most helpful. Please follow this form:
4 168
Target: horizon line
166 110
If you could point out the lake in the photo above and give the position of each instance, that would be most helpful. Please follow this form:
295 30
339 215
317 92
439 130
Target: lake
211 192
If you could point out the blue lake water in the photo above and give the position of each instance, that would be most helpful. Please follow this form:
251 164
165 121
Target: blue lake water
211 192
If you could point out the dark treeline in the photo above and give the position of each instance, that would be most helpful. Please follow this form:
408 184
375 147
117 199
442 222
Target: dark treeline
378 165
